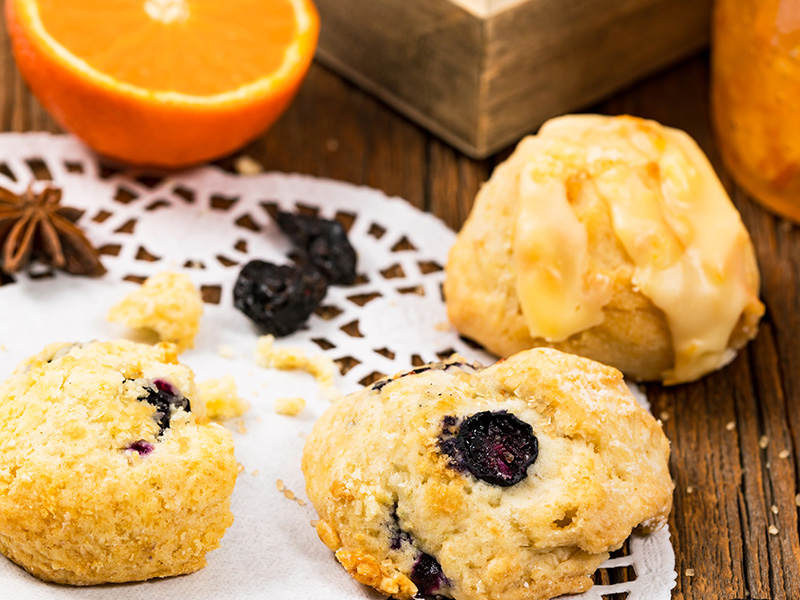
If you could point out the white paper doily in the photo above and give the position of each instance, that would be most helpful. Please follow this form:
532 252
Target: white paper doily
208 223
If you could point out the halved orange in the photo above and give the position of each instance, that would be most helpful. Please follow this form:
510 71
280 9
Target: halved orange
164 82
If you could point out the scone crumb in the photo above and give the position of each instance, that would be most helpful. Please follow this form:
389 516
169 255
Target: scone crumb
772 530
240 426
328 535
322 368
689 489
247 165
226 351
289 407
763 442
664 416
255 473
240 467
774 509
689 572
168 304
731 425
221 398
289 494
784 454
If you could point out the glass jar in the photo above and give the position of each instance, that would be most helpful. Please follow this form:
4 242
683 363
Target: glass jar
755 96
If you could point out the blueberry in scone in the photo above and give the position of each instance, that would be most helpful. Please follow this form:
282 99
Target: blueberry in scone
109 472
511 482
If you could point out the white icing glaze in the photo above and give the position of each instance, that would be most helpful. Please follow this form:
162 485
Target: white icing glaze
692 255
557 294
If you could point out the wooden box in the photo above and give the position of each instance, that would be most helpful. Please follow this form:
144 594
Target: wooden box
482 73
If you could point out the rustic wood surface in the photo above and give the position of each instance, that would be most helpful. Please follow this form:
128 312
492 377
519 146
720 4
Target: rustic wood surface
729 490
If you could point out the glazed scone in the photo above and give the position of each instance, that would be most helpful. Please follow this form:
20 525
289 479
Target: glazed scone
107 471
168 304
508 483
609 237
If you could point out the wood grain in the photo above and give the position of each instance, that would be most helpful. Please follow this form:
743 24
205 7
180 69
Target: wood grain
548 57
482 82
726 484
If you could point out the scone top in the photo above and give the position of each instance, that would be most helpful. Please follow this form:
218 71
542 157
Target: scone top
107 471
605 203
507 483
116 393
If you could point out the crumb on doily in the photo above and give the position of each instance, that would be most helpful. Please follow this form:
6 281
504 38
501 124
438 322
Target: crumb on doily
168 304
289 494
290 407
221 398
226 351
247 165
322 368
238 424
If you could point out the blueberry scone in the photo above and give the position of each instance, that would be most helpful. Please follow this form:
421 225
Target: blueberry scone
109 470
510 482
609 237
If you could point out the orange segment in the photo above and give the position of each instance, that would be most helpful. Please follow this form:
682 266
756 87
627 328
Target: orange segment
164 82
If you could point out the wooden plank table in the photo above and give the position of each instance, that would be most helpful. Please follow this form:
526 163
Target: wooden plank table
730 489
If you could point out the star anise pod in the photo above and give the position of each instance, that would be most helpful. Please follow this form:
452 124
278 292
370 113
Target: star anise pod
35 226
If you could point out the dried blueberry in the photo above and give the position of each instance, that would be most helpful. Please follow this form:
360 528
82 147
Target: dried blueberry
428 576
399 536
143 447
167 399
280 299
325 245
496 447
379 385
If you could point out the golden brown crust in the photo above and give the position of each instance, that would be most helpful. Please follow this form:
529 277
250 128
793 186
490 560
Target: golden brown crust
386 493
77 505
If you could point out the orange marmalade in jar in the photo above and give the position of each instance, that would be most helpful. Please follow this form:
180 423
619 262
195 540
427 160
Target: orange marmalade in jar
755 95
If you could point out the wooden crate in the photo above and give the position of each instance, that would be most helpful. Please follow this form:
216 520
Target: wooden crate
483 73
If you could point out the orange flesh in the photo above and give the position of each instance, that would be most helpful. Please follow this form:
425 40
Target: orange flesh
194 47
